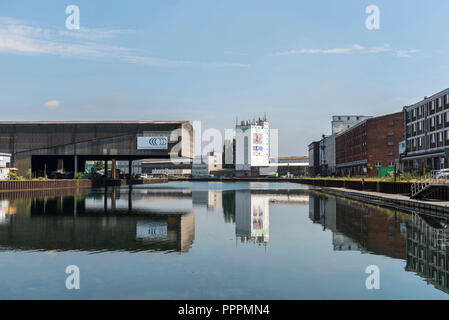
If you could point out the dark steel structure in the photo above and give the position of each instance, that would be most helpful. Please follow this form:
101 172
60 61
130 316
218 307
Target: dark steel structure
45 146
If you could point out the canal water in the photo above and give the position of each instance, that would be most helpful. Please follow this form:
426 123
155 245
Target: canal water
200 240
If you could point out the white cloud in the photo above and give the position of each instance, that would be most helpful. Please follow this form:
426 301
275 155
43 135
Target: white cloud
52 104
355 48
21 38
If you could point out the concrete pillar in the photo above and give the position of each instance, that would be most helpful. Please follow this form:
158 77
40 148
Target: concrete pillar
113 175
75 165
60 165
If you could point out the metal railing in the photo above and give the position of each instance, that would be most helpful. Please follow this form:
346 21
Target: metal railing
434 177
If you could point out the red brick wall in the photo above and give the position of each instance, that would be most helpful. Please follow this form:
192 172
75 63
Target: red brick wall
380 132
375 140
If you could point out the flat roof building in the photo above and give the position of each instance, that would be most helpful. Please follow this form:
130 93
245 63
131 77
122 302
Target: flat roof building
370 147
427 133
45 146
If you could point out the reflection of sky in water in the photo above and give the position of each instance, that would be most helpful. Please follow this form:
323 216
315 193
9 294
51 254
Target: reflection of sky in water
318 247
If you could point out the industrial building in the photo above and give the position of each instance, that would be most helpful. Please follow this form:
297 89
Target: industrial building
42 147
427 133
252 145
342 122
370 147
205 164
322 159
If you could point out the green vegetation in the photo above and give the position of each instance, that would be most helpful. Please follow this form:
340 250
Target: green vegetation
79 175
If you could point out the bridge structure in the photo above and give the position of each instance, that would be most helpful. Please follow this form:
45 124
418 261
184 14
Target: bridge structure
433 186
41 147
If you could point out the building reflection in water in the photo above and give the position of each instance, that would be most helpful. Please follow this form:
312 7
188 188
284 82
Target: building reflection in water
421 240
357 226
252 211
252 217
427 250
110 221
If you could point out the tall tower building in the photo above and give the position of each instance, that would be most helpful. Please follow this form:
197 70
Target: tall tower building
252 143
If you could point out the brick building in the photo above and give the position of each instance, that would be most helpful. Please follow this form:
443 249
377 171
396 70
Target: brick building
427 133
370 147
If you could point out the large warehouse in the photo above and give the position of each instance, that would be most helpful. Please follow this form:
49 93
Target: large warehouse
46 146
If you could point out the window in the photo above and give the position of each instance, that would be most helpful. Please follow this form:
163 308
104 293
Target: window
432 122
432 138
358 118
420 110
339 118
391 164
349 118
378 164
391 123
390 143
414 127
420 125
420 141
414 142
447 134
414 113
447 116
447 99
390 133
432 105
439 102
440 119
440 136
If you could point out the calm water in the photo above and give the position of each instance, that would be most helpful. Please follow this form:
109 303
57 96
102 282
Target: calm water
217 241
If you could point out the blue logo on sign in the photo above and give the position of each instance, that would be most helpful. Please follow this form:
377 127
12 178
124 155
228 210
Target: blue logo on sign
158 141
258 148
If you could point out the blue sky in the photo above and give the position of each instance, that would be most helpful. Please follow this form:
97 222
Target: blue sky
298 61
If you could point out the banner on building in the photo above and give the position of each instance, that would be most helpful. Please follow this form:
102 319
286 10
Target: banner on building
152 143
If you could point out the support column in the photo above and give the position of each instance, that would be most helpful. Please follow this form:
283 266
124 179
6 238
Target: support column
113 174
106 168
130 171
75 165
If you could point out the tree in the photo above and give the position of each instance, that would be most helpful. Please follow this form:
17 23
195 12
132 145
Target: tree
98 165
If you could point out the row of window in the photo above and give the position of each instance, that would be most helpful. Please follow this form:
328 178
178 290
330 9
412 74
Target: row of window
431 106
378 164
432 137
438 119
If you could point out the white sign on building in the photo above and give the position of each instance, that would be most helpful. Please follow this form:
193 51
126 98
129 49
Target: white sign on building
152 143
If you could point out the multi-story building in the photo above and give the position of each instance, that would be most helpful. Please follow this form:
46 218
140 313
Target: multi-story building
326 154
427 133
341 123
371 146
252 144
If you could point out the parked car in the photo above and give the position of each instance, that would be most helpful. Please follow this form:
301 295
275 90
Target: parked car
442 174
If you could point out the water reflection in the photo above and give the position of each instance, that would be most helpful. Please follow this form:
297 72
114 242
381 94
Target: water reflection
427 250
101 221
358 226
163 219
421 240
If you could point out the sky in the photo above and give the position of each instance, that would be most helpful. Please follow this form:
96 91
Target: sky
300 62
